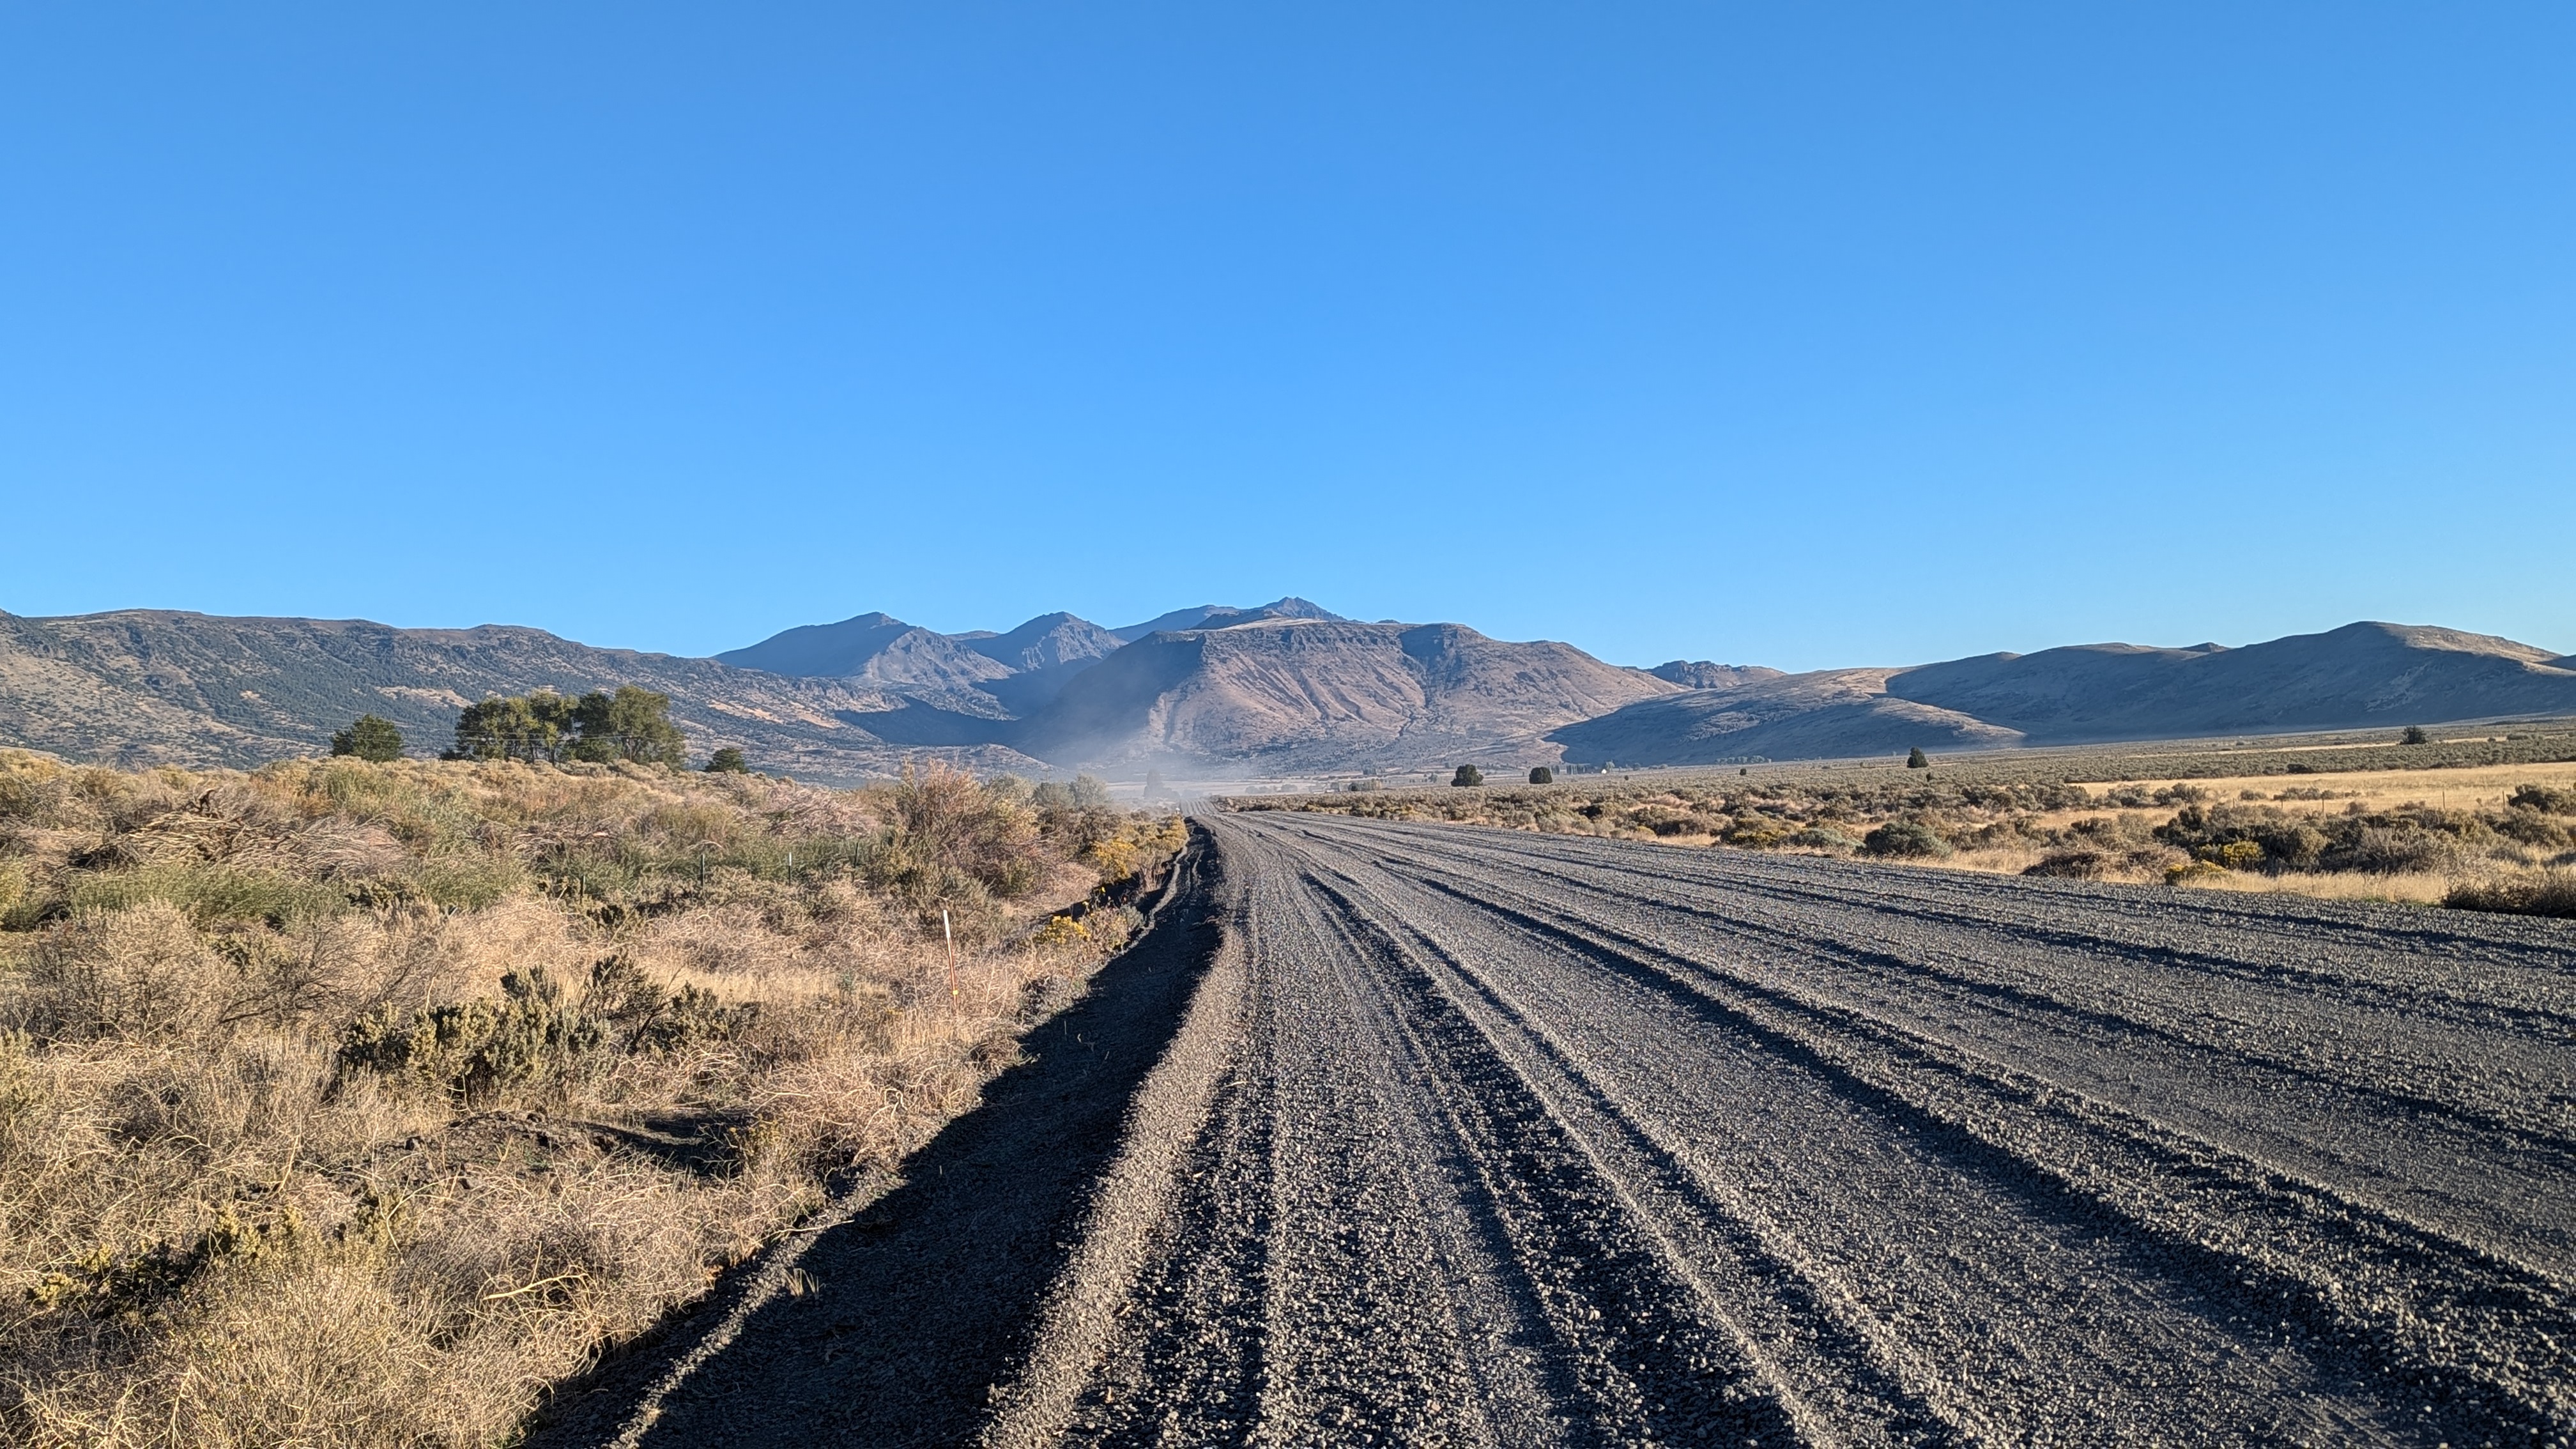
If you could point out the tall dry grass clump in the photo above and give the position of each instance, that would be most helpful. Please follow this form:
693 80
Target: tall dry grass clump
351 1103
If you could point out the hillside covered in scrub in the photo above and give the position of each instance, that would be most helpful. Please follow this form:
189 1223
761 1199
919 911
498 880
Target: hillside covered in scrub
346 1103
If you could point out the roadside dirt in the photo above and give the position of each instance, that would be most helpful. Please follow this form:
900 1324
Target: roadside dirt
1482 1138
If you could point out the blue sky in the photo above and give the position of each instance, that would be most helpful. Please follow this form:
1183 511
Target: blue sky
1800 335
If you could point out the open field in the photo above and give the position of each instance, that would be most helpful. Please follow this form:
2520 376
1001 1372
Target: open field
351 1104
1468 1137
2484 818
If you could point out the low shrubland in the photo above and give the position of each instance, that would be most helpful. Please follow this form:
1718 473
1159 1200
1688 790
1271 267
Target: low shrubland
355 1103
2353 834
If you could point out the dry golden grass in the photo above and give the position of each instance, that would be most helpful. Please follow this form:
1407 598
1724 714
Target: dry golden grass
2412 835
223 1221
2480 787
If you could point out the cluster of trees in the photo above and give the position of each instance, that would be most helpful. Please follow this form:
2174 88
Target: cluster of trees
631 724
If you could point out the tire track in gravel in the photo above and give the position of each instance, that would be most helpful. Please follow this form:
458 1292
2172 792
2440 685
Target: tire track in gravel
1474 1138
1535 1141
2487 1115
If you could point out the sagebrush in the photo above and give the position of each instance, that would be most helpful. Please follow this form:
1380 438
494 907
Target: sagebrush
355 1103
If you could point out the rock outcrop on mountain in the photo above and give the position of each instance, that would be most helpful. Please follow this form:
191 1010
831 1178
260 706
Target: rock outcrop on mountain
1701 674
2358 676
141 687
1219 616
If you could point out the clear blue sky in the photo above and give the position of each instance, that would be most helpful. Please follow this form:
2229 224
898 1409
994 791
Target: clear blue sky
1792 334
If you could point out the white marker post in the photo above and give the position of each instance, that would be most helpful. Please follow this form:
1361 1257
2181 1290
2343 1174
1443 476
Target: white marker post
951 937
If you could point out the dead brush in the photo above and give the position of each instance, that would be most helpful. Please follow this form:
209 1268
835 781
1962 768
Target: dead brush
354 1104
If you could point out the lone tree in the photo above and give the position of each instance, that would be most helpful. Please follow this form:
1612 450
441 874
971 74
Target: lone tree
1542 775
727 761
2415 735
369 738
1917 760
1467 775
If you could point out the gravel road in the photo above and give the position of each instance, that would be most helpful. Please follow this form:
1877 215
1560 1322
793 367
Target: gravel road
1471 1137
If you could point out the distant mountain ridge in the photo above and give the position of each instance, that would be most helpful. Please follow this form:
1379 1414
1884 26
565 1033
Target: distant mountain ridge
143 687
1286 686
1289 684
2358 676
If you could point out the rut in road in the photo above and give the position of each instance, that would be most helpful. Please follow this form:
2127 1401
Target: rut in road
1482 1138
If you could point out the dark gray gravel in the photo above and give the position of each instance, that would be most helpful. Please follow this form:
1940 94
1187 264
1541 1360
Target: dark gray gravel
1475 1137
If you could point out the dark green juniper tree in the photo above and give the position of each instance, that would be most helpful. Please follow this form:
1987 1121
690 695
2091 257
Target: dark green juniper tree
1468 775
1542 775
727 761
632 724
370 738
1918 760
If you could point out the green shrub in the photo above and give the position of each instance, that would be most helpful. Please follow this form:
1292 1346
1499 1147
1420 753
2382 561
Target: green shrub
1915 759
2414 735
1467 775
2544 800
210 892
2077 864
1542 775
1905 839
369 738
727 761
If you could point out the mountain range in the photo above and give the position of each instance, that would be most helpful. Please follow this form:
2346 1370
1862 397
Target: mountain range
1213 690
2358 676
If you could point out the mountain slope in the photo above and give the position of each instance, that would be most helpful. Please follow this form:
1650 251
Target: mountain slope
1702 674
1302 693
876 647
152 687
1825 714
2358 676
1221 616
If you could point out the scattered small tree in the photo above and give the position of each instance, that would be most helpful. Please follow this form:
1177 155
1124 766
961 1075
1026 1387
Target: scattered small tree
632 724
2415 735
1542 775
1917 760
1467 775
727 761
369 738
